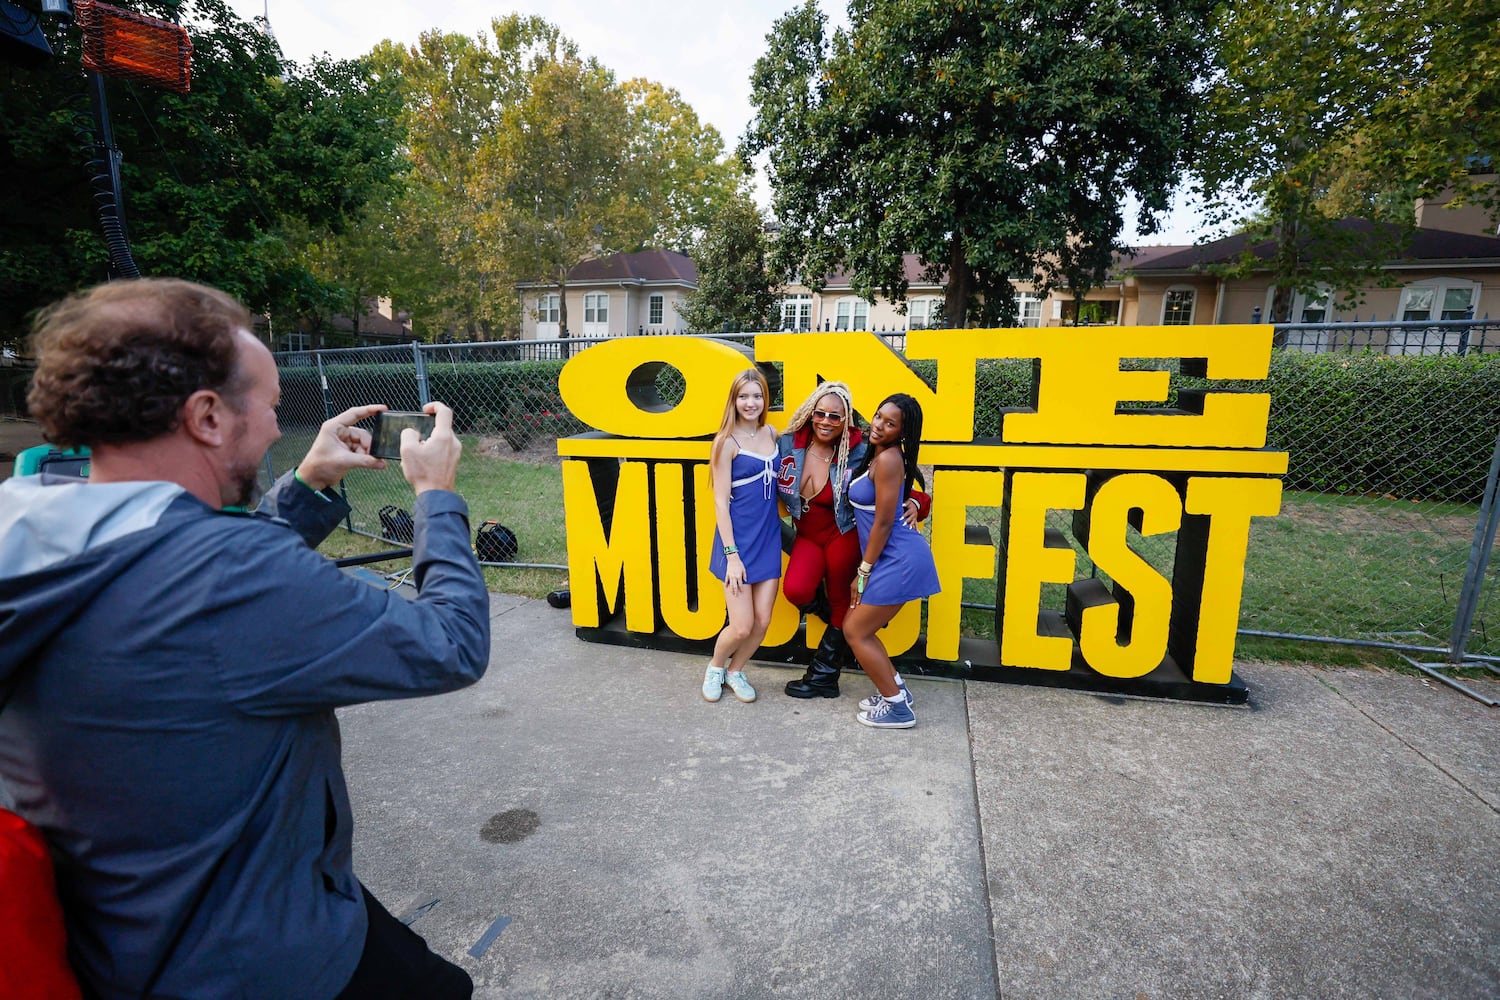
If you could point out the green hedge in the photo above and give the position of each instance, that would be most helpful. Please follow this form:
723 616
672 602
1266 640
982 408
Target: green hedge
1413 428
518 400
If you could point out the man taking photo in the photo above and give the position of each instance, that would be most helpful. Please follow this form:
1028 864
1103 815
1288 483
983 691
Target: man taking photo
169 669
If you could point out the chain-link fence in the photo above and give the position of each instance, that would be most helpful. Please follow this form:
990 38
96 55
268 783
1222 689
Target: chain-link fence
1393 433
1389 496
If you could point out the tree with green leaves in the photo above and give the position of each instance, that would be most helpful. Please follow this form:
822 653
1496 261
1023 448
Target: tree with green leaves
559 174
229 184
528 158
454 89
1320 109
735 290
582 167
684 177
996 140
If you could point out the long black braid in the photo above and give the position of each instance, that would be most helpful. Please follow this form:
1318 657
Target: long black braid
909 442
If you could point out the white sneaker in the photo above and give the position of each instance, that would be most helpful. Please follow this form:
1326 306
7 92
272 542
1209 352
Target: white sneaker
888 715
869 703
713 683
741 687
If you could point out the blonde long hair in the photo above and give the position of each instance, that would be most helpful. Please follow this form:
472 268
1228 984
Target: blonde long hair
731 412
803 414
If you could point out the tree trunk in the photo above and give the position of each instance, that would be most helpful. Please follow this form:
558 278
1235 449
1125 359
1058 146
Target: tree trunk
1287 255
562 312
960 287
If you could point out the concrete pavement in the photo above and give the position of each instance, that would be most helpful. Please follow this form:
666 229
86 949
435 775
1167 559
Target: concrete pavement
582 824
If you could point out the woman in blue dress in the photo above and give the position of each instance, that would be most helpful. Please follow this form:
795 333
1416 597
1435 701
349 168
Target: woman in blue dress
897 566
747 540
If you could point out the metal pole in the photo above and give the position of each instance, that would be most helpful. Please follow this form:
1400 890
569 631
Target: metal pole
421 365
1479 557
109 194
328 414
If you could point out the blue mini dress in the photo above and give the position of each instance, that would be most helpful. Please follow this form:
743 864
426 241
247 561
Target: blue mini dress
905 570
752 511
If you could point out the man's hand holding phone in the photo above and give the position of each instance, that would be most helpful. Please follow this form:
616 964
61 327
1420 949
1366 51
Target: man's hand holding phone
339 447
431 463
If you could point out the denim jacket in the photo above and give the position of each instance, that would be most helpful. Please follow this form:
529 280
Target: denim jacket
791 450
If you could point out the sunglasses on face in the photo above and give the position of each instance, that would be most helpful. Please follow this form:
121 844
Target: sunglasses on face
831 417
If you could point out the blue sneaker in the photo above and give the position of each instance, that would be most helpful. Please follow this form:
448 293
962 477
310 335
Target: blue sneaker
870 702
740 686
713 683
888 715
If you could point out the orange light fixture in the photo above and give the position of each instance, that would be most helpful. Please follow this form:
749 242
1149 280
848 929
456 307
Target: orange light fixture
122 43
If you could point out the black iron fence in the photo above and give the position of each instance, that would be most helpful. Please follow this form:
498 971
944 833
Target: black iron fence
1457 337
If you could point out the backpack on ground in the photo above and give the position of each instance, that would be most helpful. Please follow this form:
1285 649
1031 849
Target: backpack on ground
494 542
396 524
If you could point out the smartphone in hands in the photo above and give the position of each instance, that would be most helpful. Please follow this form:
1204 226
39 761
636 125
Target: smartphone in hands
386 441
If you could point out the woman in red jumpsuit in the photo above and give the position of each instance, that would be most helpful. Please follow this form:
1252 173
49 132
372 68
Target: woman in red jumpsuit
820 446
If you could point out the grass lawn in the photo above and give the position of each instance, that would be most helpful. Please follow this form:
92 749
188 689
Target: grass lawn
1347 567
524 494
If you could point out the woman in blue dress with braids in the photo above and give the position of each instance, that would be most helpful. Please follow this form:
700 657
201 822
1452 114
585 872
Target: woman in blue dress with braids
746 551
898 565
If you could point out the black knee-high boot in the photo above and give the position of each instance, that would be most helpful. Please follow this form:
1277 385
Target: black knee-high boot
822 677
818 605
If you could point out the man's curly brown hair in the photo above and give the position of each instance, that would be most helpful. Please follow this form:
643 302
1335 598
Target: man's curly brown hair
116 363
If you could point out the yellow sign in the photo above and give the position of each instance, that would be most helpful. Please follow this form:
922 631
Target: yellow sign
640 513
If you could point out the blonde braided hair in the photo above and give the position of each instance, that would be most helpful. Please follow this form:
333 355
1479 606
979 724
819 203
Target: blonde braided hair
803 414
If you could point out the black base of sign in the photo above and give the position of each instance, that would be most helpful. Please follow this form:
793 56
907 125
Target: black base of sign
978 661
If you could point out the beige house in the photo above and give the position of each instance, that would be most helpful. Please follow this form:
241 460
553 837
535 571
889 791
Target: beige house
837 307
379 325
1449 269
1441 274
612 296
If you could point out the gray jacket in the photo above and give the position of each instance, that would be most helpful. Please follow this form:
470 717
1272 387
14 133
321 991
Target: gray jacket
168 675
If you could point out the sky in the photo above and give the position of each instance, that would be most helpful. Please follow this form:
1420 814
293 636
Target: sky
704 50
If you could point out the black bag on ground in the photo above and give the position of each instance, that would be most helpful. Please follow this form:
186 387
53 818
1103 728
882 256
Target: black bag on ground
494 542
397 524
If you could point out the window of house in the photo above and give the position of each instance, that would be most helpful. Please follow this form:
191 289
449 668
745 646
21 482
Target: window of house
546 308
596 314
852 314
1439 298
924 314
295 342
796 312
1028 309
1177 307
596 308
1416 303
1091 312
654 310
1306 307
1311 308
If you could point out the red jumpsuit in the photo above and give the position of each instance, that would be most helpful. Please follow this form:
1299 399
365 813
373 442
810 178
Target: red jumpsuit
820 551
